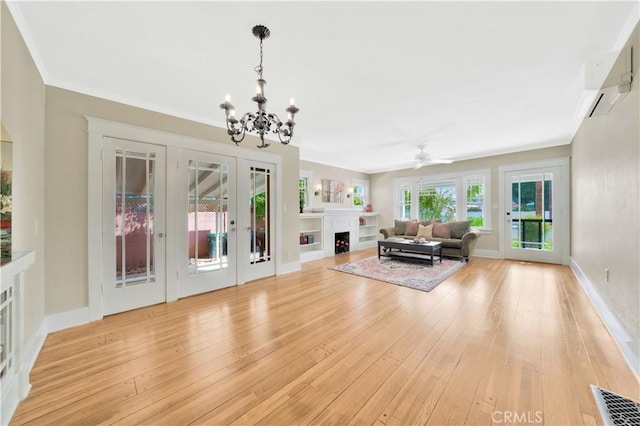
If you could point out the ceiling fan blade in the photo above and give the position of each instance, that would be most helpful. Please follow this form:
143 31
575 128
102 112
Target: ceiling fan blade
440 161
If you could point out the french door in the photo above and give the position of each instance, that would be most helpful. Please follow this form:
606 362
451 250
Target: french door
534 217
208 223
133 176
259 256
217 230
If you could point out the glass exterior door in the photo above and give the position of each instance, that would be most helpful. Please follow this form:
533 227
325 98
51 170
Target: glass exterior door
207 258
532 233
134 180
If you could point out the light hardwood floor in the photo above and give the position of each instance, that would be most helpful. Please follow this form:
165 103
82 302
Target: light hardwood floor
497 341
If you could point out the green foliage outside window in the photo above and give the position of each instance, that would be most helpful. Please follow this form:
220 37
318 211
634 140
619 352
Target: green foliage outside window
358 196
475 195
258 203
438 203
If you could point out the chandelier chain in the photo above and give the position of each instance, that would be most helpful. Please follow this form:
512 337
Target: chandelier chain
259 68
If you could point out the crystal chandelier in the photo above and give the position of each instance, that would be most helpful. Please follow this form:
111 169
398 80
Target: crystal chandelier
259 122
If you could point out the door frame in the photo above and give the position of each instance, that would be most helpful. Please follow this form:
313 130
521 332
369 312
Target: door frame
97 129
563 210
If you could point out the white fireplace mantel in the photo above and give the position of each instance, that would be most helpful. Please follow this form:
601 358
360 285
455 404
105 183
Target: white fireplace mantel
340 220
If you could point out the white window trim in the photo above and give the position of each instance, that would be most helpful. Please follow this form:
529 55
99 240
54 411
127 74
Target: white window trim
461 194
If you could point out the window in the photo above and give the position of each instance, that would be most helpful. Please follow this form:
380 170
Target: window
359 196
437 200
446 197
404 192
304 184
360 192
475 206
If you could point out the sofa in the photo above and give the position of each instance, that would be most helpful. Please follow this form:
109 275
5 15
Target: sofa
457 238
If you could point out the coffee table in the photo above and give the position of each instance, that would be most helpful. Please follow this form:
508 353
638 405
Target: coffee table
403 248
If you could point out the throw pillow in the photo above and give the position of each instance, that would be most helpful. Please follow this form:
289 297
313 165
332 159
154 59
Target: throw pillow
425 231
411 229
399 227
441 230
459 228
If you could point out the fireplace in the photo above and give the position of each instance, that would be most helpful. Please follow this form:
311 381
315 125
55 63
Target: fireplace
342 242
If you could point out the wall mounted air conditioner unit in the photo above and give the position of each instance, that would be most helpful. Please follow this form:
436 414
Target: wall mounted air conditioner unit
616 86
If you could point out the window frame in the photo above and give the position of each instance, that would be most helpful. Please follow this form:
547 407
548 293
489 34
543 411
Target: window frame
462 180
307 176
362 183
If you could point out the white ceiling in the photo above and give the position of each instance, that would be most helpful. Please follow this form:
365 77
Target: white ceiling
372 79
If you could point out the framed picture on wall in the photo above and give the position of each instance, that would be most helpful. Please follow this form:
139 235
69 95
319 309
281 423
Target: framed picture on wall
332 191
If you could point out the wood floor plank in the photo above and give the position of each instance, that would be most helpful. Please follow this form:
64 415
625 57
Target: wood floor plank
375 406
252 366
323 347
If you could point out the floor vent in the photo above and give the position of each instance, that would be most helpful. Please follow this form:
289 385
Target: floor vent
615 409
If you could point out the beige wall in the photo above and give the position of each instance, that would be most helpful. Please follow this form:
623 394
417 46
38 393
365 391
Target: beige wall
66 185
322 171
383 184
22 109
606 203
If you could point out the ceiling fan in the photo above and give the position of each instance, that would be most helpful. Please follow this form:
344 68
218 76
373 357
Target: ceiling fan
424 159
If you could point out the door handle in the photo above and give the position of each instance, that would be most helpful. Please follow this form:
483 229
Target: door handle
160 235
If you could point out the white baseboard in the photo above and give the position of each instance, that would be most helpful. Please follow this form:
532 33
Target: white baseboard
34 348
68 319
287 268
18 387
10 399
491 254
630 349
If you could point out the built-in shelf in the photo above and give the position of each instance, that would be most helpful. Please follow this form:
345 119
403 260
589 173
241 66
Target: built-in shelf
367 230
311 226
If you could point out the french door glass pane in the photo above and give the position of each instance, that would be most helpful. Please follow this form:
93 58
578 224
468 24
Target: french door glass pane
207 216
532 211
134 204
259 202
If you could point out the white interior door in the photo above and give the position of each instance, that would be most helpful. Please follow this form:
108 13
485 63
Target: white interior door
207 217
534 214
133 225
259 257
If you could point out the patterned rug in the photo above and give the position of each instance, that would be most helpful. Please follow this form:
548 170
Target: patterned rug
406 272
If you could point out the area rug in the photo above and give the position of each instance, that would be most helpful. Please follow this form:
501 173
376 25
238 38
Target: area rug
406 272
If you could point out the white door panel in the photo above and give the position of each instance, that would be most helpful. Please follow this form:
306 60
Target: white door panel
134 225
207 222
